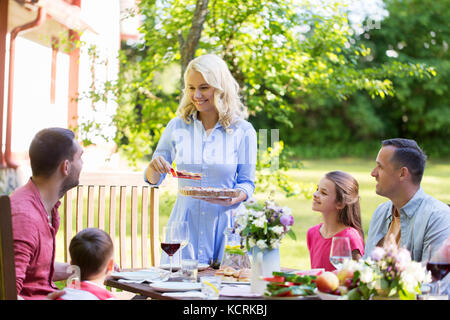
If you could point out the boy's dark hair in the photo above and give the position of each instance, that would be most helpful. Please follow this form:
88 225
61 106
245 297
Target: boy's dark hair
49 147
90 250
408 154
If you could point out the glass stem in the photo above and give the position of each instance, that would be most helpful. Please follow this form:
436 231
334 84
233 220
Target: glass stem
170 259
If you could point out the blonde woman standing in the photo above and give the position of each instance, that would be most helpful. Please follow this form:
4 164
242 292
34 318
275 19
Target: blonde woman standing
209 136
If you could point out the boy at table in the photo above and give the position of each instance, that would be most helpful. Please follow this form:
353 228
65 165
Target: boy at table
92 255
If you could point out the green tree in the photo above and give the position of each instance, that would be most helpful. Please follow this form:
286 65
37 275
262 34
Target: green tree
418 32
288 56
283 53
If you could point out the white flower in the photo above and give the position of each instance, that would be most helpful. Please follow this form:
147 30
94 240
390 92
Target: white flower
261 244
414 274
258 214
366 275
278 230
260 222
274 243
272 206
351 265
251 242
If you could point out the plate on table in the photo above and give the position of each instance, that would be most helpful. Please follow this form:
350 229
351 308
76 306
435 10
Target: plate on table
149 275
327 296
235 282
202 266
174 286
175 267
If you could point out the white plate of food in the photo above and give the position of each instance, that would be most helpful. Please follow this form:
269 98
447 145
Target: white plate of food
149 275
175 286
175 267
202 266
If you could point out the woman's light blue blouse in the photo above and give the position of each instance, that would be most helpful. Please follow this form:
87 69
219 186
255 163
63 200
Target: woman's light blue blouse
226 159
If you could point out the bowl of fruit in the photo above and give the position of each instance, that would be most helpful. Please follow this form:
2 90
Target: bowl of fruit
334 285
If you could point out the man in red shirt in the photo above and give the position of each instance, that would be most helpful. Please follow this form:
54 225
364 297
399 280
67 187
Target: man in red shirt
56 163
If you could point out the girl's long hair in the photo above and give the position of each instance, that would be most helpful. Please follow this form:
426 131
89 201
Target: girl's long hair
347 192
226 90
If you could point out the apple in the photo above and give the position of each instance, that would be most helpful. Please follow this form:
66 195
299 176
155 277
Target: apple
327 282
343 275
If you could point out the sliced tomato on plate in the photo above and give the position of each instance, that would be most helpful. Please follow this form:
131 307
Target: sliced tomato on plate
274 279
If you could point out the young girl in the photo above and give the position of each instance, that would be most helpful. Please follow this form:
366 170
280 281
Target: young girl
337 199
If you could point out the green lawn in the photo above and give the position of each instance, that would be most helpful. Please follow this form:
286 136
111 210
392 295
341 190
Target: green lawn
294 254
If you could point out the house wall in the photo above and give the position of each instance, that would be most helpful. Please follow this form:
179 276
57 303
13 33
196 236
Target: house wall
32 109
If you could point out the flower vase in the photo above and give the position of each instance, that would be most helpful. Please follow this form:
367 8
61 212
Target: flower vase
270 260
264 262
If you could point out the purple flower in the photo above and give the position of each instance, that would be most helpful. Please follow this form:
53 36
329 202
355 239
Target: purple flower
403 259
378 253
287 220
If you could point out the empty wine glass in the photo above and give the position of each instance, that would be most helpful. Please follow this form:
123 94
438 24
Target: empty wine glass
340 251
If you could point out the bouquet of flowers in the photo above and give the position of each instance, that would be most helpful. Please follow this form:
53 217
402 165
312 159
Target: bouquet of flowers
389 272
264 225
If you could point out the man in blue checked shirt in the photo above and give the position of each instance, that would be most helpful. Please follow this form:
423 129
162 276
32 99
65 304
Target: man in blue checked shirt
417 221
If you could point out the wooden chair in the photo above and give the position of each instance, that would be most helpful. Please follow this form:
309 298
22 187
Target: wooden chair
95 200
8 290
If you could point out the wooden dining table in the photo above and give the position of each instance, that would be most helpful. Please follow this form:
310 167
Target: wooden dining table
145 290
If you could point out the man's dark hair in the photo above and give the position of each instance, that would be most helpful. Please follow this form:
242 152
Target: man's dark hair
49 147
90 250
408 154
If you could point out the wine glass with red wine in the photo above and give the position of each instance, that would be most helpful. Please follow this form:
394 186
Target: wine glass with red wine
438 264
170 242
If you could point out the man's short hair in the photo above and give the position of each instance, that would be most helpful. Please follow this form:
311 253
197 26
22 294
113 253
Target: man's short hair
49 147
408 154
90 250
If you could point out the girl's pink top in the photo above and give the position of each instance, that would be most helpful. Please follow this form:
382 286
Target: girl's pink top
320 247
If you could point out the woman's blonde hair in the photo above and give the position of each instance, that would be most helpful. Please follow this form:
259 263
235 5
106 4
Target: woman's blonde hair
226 90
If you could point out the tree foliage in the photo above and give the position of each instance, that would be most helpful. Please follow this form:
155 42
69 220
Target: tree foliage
286 55
415 33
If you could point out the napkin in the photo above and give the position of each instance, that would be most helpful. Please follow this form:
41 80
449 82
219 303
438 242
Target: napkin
185 294
131 281
238 291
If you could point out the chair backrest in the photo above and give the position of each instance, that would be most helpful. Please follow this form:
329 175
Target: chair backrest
8 290
100 198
